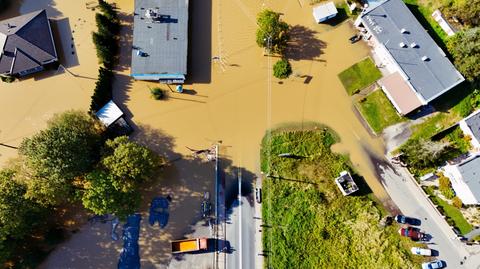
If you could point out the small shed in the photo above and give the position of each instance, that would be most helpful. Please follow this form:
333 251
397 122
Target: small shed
324 12
109 113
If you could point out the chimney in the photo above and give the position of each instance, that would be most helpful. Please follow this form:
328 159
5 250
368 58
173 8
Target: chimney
413 45
425 59
402 45
403 31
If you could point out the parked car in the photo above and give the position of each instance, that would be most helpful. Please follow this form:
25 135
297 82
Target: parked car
413 233
433 265
421 251
258 195
407 220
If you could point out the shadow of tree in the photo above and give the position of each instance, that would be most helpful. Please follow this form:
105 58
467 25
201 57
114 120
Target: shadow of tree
303 44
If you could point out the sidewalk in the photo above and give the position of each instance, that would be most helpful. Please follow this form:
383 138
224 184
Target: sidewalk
258 221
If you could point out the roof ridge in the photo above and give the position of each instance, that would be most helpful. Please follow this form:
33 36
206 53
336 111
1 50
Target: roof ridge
17 49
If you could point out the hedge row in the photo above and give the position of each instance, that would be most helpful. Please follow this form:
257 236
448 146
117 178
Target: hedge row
106 44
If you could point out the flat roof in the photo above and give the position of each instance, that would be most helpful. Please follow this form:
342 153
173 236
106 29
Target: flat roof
324 10
473 122
109 113
160 37
400 93
470 171
431 77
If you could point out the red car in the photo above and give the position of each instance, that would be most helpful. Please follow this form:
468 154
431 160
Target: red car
411 232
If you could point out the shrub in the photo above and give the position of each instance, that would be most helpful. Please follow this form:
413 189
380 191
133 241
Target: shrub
457 202
102 93
446 187
464 48
282 69
157 93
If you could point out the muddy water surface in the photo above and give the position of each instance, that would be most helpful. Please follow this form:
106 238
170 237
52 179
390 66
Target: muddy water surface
227 100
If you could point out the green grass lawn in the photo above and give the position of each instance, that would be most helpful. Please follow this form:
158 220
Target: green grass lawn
308 222
377 110
359 76
451 212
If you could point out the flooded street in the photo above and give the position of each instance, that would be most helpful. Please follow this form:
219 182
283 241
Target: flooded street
225 100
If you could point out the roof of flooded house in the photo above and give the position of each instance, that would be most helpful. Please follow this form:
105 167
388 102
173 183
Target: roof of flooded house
160 37
26 42
400 93
427 67
109 113
473 122
324 10
470 171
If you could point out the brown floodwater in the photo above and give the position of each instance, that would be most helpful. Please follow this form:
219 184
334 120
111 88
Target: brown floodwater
26 105
228 100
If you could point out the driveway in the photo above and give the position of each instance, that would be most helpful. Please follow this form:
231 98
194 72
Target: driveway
411 200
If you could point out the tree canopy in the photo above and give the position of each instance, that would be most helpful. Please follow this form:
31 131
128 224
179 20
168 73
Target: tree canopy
468 11
271 27
67 148
282 69
422 153
15 210
129 161
103 197
465 49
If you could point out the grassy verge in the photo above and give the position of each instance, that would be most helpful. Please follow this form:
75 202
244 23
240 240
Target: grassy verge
359 75
308 222
423 13
454 216
377 110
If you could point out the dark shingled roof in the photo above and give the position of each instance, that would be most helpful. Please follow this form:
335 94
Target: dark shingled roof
430 78
26 42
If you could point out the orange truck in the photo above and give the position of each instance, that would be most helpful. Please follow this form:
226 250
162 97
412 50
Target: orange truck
189 245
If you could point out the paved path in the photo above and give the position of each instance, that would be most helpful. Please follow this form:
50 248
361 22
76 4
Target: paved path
411 200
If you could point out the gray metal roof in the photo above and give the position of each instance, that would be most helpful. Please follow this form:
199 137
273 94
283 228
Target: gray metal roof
473 122
163 42
430 78
470 171
26 42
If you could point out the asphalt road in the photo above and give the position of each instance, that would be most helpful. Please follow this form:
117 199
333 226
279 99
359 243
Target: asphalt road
240 234
412 202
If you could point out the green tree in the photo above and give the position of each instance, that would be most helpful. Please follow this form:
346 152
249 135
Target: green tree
282 69
465 49
102 197
272 29
129 161
67 148
468 11
16 212
421 153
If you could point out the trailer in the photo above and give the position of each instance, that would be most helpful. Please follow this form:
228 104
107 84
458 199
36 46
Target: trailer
189 245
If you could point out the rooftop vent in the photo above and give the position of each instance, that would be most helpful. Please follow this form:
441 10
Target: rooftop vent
403 31
425 59
402 45
413 45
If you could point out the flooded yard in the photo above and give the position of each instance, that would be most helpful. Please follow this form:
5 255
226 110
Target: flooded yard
227 100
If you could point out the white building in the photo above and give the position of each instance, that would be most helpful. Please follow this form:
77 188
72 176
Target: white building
324 12
465 179
416 70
